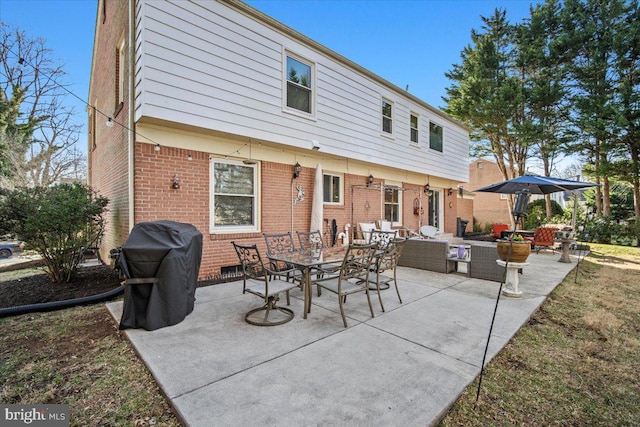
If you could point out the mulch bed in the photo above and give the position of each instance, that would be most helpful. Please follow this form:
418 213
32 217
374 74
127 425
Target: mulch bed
38 288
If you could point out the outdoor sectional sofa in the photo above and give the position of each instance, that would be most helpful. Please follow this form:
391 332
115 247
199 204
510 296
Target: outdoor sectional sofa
432 255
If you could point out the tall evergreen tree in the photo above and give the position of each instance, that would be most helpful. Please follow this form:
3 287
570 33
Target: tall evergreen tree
591 31
544 81
487 94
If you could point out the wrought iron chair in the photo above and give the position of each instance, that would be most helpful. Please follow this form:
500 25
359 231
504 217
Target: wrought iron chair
382 238
279 243
310 239
387 261
259 280
313 240
353 277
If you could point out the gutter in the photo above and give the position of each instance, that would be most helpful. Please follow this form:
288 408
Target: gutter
131 120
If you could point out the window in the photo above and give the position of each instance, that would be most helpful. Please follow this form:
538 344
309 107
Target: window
234 197
120 77
435 137
387 116
332 188
413 123
299 77
392 203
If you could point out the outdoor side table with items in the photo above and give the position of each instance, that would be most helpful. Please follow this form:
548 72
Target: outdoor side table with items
160 262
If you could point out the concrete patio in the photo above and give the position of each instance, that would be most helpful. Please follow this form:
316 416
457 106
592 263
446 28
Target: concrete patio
406 366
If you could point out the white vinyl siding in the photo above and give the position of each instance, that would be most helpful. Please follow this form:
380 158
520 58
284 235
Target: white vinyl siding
208 66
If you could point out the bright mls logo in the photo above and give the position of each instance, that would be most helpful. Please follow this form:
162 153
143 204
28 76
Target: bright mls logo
35 415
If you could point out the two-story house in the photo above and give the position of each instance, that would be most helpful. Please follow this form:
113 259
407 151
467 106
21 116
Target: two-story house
200 112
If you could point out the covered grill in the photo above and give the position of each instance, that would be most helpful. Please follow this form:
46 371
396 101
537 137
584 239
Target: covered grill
160 261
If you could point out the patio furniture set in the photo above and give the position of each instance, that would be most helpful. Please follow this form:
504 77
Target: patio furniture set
357 268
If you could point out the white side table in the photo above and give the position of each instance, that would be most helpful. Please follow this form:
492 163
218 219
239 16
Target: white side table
512 279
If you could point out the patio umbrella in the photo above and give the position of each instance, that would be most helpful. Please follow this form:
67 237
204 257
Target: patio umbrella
536 185
316 202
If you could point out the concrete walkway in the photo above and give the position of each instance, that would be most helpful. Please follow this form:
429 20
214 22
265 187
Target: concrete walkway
405 367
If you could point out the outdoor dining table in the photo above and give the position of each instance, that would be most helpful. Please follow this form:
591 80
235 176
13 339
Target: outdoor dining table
306 260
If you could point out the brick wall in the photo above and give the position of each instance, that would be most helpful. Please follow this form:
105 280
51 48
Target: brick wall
108 147
488 208
155 199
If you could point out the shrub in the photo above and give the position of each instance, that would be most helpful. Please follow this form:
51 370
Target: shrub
58 222
537 213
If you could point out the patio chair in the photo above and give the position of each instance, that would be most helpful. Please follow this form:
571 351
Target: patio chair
310 239
387 261
382 238
353 277
429 232
259 280
278 243
497 229
543 238
313 240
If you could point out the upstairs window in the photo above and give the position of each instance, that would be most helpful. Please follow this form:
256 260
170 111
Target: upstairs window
120 77
435 137
332 188
299 77
413 123
387 116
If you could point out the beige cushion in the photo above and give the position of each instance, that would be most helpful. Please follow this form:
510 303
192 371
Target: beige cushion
366 228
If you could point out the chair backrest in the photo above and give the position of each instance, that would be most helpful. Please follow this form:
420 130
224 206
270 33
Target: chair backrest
429 231
382 238
279 243
497 229
389 259
356 261
544 235
310 239
251 262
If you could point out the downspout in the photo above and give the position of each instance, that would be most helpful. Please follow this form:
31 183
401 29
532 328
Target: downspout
131 124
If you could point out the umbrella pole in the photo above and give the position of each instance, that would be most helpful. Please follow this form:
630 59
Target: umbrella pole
493 319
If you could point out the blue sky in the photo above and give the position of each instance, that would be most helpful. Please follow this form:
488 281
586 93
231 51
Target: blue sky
406 42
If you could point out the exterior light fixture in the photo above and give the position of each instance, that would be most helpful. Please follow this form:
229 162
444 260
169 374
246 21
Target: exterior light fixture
249 161
189 157
449 191
175 183
296 170
369 180
460 191
110 122
157 147
427 189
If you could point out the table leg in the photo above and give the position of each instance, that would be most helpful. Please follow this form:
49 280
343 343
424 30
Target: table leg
307 291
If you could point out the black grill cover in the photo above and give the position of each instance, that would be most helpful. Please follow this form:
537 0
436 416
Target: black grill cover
161 261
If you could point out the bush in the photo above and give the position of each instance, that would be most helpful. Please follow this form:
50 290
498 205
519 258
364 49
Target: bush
537 213
58 222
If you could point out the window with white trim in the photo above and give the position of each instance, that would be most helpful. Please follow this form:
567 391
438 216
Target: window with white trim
332 188
392 203
435 137
234 202
299 88
387 116
413 124
120 77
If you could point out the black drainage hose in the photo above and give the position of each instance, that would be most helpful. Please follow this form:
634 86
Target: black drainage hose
59 305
